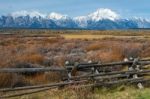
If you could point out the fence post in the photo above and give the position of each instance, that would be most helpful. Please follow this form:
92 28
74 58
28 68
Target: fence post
135 67
67 71
74 69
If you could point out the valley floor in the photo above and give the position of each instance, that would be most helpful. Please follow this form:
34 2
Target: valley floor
53 48
122 92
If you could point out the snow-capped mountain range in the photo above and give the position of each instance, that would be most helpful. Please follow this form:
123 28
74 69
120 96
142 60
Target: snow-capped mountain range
100 19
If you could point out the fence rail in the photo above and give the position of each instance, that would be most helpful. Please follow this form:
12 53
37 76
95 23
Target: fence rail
79 66
29 70
95 76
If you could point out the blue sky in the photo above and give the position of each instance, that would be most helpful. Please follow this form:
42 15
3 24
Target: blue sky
126 8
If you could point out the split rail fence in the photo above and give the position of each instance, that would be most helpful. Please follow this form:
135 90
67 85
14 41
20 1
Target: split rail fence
94 74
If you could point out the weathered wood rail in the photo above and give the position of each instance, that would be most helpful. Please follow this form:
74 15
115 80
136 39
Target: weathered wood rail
94 77
79 67
30 70
48 87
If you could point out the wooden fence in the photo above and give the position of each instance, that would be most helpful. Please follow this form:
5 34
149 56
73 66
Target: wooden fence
95 75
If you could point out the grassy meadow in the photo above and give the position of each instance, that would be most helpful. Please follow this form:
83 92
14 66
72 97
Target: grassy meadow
50 48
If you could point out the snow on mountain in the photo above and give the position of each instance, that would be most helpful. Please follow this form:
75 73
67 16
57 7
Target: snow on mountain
142 22
103 14
100 14
100 19
81 21
27 13
57 16
61 20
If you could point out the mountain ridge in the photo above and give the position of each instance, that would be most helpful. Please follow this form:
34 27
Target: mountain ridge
100 19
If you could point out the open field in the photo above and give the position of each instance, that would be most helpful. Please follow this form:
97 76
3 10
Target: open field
54 48
70 93
88 36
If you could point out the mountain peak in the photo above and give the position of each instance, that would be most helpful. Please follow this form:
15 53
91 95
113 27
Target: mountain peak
103 13
27 13
56 16
100 19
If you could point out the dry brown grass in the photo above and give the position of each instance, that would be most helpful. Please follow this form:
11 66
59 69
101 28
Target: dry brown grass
48 51
33 58
94 47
